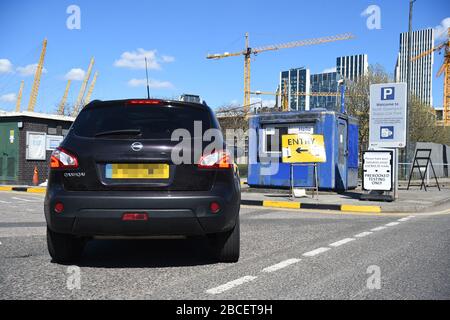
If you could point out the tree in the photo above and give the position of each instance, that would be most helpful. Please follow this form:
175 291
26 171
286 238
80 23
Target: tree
358 104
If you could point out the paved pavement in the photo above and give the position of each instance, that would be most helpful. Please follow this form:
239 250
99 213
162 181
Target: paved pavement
413 200
286 254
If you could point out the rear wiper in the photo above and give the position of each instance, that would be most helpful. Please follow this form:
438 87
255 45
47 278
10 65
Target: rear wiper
134 132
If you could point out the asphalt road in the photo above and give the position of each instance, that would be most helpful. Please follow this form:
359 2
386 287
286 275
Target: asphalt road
285 254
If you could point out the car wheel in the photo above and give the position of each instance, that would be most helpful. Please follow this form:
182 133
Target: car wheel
64 248
227 245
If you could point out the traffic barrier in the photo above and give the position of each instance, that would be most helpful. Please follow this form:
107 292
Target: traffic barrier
313 206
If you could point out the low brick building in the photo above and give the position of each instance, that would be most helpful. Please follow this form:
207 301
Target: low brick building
27 140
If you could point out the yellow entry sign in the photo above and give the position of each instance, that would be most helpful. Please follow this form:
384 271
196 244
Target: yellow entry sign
302 148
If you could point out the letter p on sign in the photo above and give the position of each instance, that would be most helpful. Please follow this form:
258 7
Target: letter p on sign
388 93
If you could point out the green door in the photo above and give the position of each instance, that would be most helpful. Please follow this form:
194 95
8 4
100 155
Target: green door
9 152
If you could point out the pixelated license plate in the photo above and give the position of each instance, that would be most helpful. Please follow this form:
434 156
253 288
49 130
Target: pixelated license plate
137 171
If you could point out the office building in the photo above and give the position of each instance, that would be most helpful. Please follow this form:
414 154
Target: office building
295 81
421 69
352 67
327 83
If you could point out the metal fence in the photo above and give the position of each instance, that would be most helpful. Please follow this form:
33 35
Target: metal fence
442 170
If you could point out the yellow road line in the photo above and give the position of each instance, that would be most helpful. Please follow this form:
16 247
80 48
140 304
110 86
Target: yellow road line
37 190
351 208
281 204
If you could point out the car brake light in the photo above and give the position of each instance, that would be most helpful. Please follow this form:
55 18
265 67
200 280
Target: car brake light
62 159
214 207
135 217
145 101
218 159
59 207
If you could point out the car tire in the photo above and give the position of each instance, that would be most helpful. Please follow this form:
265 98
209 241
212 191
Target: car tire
64 248
226 245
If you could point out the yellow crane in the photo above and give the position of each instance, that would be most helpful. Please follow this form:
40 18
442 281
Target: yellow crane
37 78
445 68
91 88
248 51
62 104
83 89
19 96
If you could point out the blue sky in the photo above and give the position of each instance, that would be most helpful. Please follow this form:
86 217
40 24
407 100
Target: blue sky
177 35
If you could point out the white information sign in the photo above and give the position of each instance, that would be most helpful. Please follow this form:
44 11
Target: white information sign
378 170
387 126
36 143
53 141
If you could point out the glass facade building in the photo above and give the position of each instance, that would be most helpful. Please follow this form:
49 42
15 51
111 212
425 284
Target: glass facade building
295 81
352 67
325 82
421 69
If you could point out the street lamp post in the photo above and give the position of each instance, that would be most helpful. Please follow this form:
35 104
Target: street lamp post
408 82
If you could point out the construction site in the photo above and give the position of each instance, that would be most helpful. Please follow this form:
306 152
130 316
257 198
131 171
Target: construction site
297 91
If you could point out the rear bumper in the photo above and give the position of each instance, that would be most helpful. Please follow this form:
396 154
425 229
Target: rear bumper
93 213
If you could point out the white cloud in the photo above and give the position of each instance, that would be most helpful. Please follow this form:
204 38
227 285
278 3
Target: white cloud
75 74
153 84
9 97
29 70
328 70
167 59
440 31
5 66
136 59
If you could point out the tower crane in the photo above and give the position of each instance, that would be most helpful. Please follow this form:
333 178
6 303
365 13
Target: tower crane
91 88
248 52
83 89
445 68
62 104
19 97
37 78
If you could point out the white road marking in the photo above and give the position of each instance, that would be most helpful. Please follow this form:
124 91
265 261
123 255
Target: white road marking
341 242
280 265
315 252
22 199
230 285
377 228
1 201
391 224
403 219
411 217
363 234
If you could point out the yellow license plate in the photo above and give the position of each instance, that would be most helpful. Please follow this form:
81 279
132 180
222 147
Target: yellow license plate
137 171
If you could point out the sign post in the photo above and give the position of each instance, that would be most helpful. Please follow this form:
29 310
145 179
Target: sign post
303 149
378 174
387 124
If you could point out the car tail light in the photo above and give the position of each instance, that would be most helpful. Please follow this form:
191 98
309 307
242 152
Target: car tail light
62 159
214 207
145 101
135 216
59 207
219 159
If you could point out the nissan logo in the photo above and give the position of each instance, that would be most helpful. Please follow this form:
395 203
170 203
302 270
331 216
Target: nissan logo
137 146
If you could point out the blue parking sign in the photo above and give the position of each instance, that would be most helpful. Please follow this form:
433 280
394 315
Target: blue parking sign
388 93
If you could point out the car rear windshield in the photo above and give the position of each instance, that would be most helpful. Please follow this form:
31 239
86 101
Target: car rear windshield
146 121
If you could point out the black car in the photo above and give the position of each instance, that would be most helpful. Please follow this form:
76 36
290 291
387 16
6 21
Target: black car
117 174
